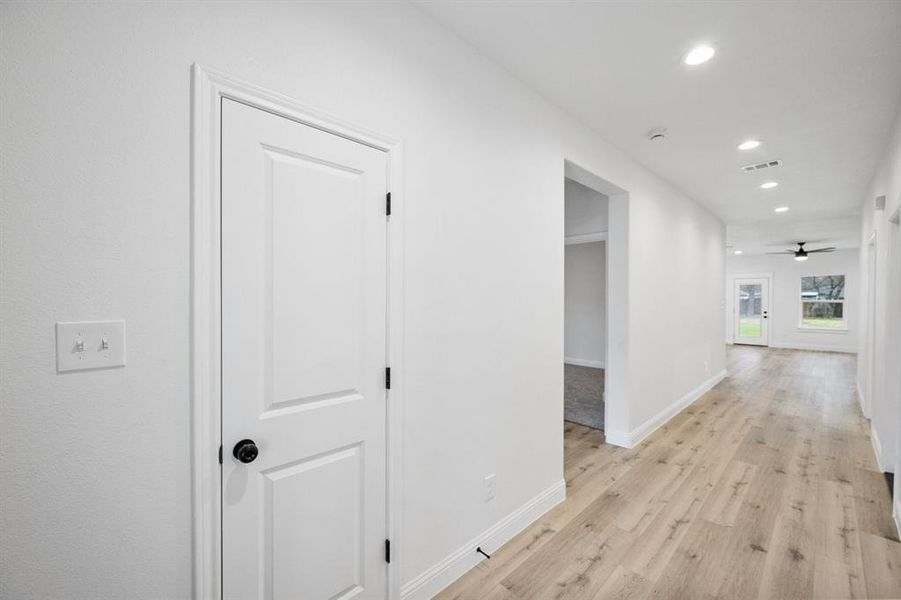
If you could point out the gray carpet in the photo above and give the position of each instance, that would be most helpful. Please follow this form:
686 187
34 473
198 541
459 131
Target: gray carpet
583 398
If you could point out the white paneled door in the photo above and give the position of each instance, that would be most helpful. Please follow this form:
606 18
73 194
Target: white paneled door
304 304
752 311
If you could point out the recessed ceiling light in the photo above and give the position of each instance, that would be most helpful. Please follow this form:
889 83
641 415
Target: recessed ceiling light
749 144
781 209
738 252
699 55
768 185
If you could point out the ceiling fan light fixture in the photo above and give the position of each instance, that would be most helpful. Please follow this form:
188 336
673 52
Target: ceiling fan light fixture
699 55
800 257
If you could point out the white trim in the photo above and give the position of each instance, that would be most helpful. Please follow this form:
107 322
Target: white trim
844 330
869 342
582 362
208 88
448 570
585 238
877 448
630 439
814 347
896 514
860 398
617 273
622 439
896 216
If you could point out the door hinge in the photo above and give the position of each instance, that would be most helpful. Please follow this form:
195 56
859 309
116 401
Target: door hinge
388 204
387 551
387 378
220 455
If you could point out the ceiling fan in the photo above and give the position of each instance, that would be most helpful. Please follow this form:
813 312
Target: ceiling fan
801 254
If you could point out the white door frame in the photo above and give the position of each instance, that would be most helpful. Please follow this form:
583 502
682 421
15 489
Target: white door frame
872 266
894 233
616 363
769 302
208 90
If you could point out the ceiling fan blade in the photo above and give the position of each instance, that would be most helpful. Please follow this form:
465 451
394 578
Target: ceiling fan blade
830 249
782 252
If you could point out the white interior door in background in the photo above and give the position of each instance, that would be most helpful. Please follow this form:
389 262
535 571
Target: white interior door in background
752 311
304 317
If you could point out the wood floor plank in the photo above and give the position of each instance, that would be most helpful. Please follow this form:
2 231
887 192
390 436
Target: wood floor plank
766 487
728 494
881 565
873 503
838 538
790 562
488 575
623 584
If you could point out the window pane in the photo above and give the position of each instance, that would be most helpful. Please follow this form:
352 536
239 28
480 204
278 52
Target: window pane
749 310
823 287
824 315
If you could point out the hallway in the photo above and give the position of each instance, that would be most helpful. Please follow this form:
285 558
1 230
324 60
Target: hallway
764 488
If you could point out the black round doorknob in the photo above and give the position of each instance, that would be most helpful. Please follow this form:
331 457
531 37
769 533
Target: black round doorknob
246 451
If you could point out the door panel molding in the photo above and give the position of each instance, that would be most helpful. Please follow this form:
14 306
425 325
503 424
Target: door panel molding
208 89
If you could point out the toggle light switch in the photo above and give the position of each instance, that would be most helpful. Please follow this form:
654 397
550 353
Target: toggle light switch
90 345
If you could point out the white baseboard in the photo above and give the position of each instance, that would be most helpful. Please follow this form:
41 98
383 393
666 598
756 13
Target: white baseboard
454 566
618 438
581 362
630 439
877 447
859 395
814 347
896 513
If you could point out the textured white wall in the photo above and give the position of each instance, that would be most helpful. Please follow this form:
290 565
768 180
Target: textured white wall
785 290
95 183
585 303
885 393
677 267
586 209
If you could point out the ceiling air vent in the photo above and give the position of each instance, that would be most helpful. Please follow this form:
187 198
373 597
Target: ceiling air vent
760 166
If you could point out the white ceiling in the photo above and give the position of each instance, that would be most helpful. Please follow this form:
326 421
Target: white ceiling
818 82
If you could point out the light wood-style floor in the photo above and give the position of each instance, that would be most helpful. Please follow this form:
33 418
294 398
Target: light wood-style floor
764 488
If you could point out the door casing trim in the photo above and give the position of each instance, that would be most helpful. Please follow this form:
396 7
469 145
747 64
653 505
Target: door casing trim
208 88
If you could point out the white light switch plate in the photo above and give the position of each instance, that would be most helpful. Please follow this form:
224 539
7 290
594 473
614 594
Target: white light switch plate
90 345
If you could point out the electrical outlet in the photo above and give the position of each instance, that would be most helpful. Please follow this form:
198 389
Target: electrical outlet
490 487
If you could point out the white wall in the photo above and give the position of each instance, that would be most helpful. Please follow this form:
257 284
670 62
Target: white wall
586 209
585 304
884 396
96 467
785 291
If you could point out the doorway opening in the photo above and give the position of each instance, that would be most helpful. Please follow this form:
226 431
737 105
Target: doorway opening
596 278
585 304
752 310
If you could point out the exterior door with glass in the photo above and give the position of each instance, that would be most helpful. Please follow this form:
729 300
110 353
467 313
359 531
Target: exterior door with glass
752 297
